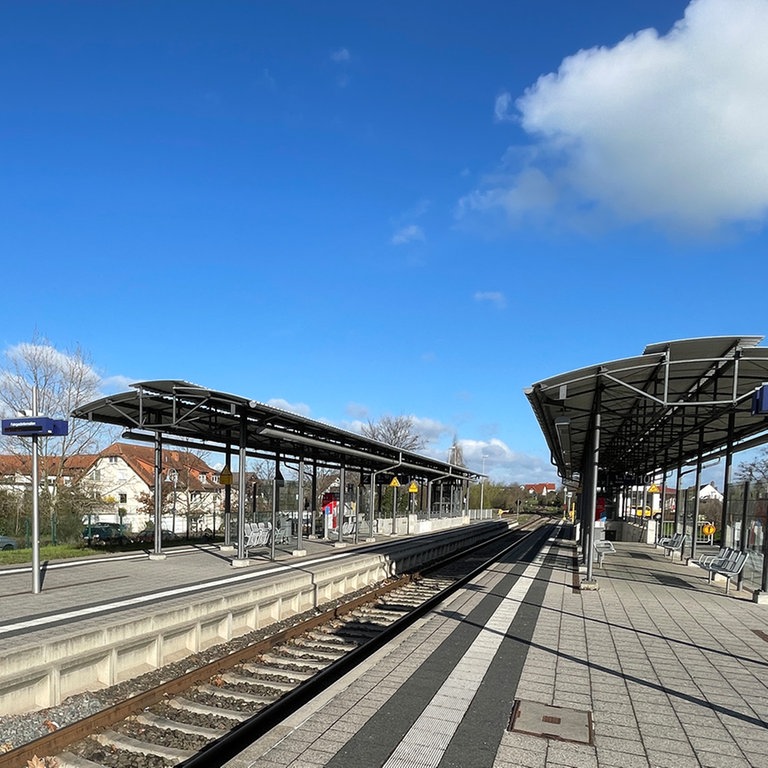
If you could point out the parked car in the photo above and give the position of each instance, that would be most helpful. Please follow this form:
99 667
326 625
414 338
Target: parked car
104 533
147 536
6 542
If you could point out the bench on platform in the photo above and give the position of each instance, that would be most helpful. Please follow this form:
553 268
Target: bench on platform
674 544
256 536
603 548
728 562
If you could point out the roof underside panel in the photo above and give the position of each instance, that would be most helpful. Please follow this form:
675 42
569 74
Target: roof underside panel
677 401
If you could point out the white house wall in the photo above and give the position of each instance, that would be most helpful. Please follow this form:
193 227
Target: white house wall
116 477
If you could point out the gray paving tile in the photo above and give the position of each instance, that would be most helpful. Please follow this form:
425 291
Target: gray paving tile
616 731
572 755
614 757
717 760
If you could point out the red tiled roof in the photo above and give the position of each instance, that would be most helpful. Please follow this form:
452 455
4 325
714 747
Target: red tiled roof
13 464
540 488
141 459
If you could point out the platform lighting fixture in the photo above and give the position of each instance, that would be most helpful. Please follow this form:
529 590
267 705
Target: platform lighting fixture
563 429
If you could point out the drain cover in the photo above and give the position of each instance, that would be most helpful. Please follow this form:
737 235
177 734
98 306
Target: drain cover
537 719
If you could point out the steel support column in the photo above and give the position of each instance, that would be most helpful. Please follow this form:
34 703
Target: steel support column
727 479
158 550
241 490
591 501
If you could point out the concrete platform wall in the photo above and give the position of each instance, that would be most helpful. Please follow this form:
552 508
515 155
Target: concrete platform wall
129 643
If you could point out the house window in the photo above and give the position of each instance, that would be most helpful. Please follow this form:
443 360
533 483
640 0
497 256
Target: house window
123 498
112 459
96 475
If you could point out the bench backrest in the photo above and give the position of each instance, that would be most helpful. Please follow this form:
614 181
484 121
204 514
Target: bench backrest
677 541
731 561
737 563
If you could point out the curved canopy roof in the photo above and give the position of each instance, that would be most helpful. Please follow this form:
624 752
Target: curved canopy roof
193 416
660 410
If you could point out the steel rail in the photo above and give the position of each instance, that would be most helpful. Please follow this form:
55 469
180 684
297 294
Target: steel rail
59 740
218 752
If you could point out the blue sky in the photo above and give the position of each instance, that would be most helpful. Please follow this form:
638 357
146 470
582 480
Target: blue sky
355 209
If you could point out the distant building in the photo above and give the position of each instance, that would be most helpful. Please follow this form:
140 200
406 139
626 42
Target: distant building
540 489
123 476
16 471
120 481
709 491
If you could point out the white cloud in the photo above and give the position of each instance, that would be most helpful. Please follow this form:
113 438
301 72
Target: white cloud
341 54
659 128
117 383
302 409
430 429
503 465
502 108
492 297
357 410
408 234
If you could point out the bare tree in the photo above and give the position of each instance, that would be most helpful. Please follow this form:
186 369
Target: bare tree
63 380
755 470
397 431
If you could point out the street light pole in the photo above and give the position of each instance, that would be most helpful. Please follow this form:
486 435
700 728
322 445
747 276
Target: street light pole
482 486
173 476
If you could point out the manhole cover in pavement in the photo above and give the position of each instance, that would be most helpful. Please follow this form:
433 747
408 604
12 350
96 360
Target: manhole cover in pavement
537 719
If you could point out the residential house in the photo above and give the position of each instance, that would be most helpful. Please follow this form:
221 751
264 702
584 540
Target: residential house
16 471
123 476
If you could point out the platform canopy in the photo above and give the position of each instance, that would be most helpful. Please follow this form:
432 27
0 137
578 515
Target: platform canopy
194 417
678 401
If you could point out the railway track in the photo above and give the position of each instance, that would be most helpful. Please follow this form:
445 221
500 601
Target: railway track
208 715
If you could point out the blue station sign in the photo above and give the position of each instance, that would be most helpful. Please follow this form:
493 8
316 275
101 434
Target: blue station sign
35 426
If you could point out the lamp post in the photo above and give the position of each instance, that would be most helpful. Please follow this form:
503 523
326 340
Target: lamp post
482 486
173 476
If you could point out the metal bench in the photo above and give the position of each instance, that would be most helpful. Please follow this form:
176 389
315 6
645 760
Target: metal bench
704 560
256 536
603 548
674 544
728 563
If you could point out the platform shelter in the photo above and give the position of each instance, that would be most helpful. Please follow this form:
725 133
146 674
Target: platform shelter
192 417
639 420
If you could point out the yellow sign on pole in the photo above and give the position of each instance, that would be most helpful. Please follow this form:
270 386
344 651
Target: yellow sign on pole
395 483
654 489
225 476
413 488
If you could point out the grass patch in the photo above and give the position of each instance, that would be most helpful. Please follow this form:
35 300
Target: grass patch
69 551
52 552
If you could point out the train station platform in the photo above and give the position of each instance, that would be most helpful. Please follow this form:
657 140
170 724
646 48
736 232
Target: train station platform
104 620
655 668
